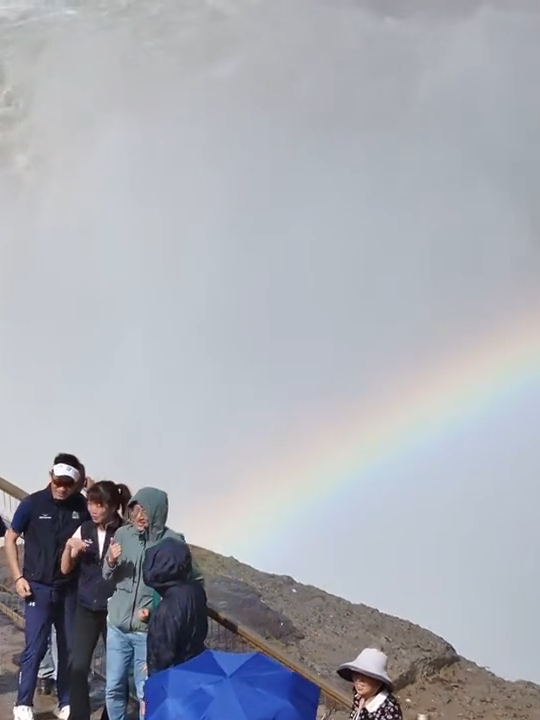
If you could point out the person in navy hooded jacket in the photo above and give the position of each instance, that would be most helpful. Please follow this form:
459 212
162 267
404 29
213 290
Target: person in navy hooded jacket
178 626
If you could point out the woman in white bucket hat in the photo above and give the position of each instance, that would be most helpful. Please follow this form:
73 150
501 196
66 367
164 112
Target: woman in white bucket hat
373 699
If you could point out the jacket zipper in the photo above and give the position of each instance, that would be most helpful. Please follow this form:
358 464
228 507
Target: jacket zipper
138 570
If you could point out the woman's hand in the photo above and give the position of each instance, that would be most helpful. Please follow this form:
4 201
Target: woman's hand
115 550
76 547
144 615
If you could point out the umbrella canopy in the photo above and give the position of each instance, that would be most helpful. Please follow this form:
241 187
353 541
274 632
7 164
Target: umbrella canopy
220 685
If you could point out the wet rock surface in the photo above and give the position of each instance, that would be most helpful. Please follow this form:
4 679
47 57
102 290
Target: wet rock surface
243 604
329 630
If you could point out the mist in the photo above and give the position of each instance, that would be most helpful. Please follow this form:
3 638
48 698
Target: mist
224 221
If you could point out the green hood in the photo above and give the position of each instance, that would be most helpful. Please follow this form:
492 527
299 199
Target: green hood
156 505
131 594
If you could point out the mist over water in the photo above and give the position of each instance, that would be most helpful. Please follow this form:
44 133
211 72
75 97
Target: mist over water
221 221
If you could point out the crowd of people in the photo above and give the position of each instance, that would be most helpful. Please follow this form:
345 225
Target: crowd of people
100 562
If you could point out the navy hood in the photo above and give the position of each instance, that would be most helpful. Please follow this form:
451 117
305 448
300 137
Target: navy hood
166 564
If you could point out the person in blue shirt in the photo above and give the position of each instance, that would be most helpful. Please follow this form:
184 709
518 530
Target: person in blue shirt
46 684
46 519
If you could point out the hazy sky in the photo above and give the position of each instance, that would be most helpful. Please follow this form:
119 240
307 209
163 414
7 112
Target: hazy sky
237 233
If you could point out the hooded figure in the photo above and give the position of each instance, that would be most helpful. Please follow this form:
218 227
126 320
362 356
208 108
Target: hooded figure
179 625
132 600
132 595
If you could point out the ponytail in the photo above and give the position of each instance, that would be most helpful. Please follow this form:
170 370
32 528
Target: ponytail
114 496
125 496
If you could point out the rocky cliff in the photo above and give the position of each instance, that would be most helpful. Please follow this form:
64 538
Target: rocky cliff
322 630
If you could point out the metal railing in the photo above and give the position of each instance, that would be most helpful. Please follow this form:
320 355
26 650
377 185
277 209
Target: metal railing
224 632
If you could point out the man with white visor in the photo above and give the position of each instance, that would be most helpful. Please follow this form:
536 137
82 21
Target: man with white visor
46 519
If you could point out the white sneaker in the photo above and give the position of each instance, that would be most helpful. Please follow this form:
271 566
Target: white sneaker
60 713
23 712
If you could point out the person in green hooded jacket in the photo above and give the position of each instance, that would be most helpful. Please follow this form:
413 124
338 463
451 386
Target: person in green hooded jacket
132 600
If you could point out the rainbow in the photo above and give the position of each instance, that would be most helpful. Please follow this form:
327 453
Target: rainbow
345 449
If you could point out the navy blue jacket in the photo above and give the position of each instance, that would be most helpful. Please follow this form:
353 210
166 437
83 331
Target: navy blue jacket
178 626
46 525
94 591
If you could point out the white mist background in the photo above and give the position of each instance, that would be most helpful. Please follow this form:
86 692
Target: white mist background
222 221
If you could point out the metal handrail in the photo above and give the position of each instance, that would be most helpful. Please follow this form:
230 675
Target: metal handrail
14 490
340 699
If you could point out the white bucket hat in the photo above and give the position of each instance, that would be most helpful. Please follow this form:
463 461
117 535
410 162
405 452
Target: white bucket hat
370 662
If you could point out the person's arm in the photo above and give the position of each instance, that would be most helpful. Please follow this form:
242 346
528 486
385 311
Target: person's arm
71 553
165 631
113 558
19 525
84 513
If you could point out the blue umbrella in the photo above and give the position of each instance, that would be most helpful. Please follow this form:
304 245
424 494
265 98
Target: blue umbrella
220 685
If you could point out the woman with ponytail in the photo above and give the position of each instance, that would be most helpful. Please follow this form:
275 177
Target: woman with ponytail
107 503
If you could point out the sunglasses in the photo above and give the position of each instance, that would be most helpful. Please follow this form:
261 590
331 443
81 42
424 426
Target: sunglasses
64 482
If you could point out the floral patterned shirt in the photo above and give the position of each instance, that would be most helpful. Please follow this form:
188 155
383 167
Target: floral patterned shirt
383 706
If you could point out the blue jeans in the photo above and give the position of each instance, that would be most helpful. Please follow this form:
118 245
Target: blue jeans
47 606
49 664
124 652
